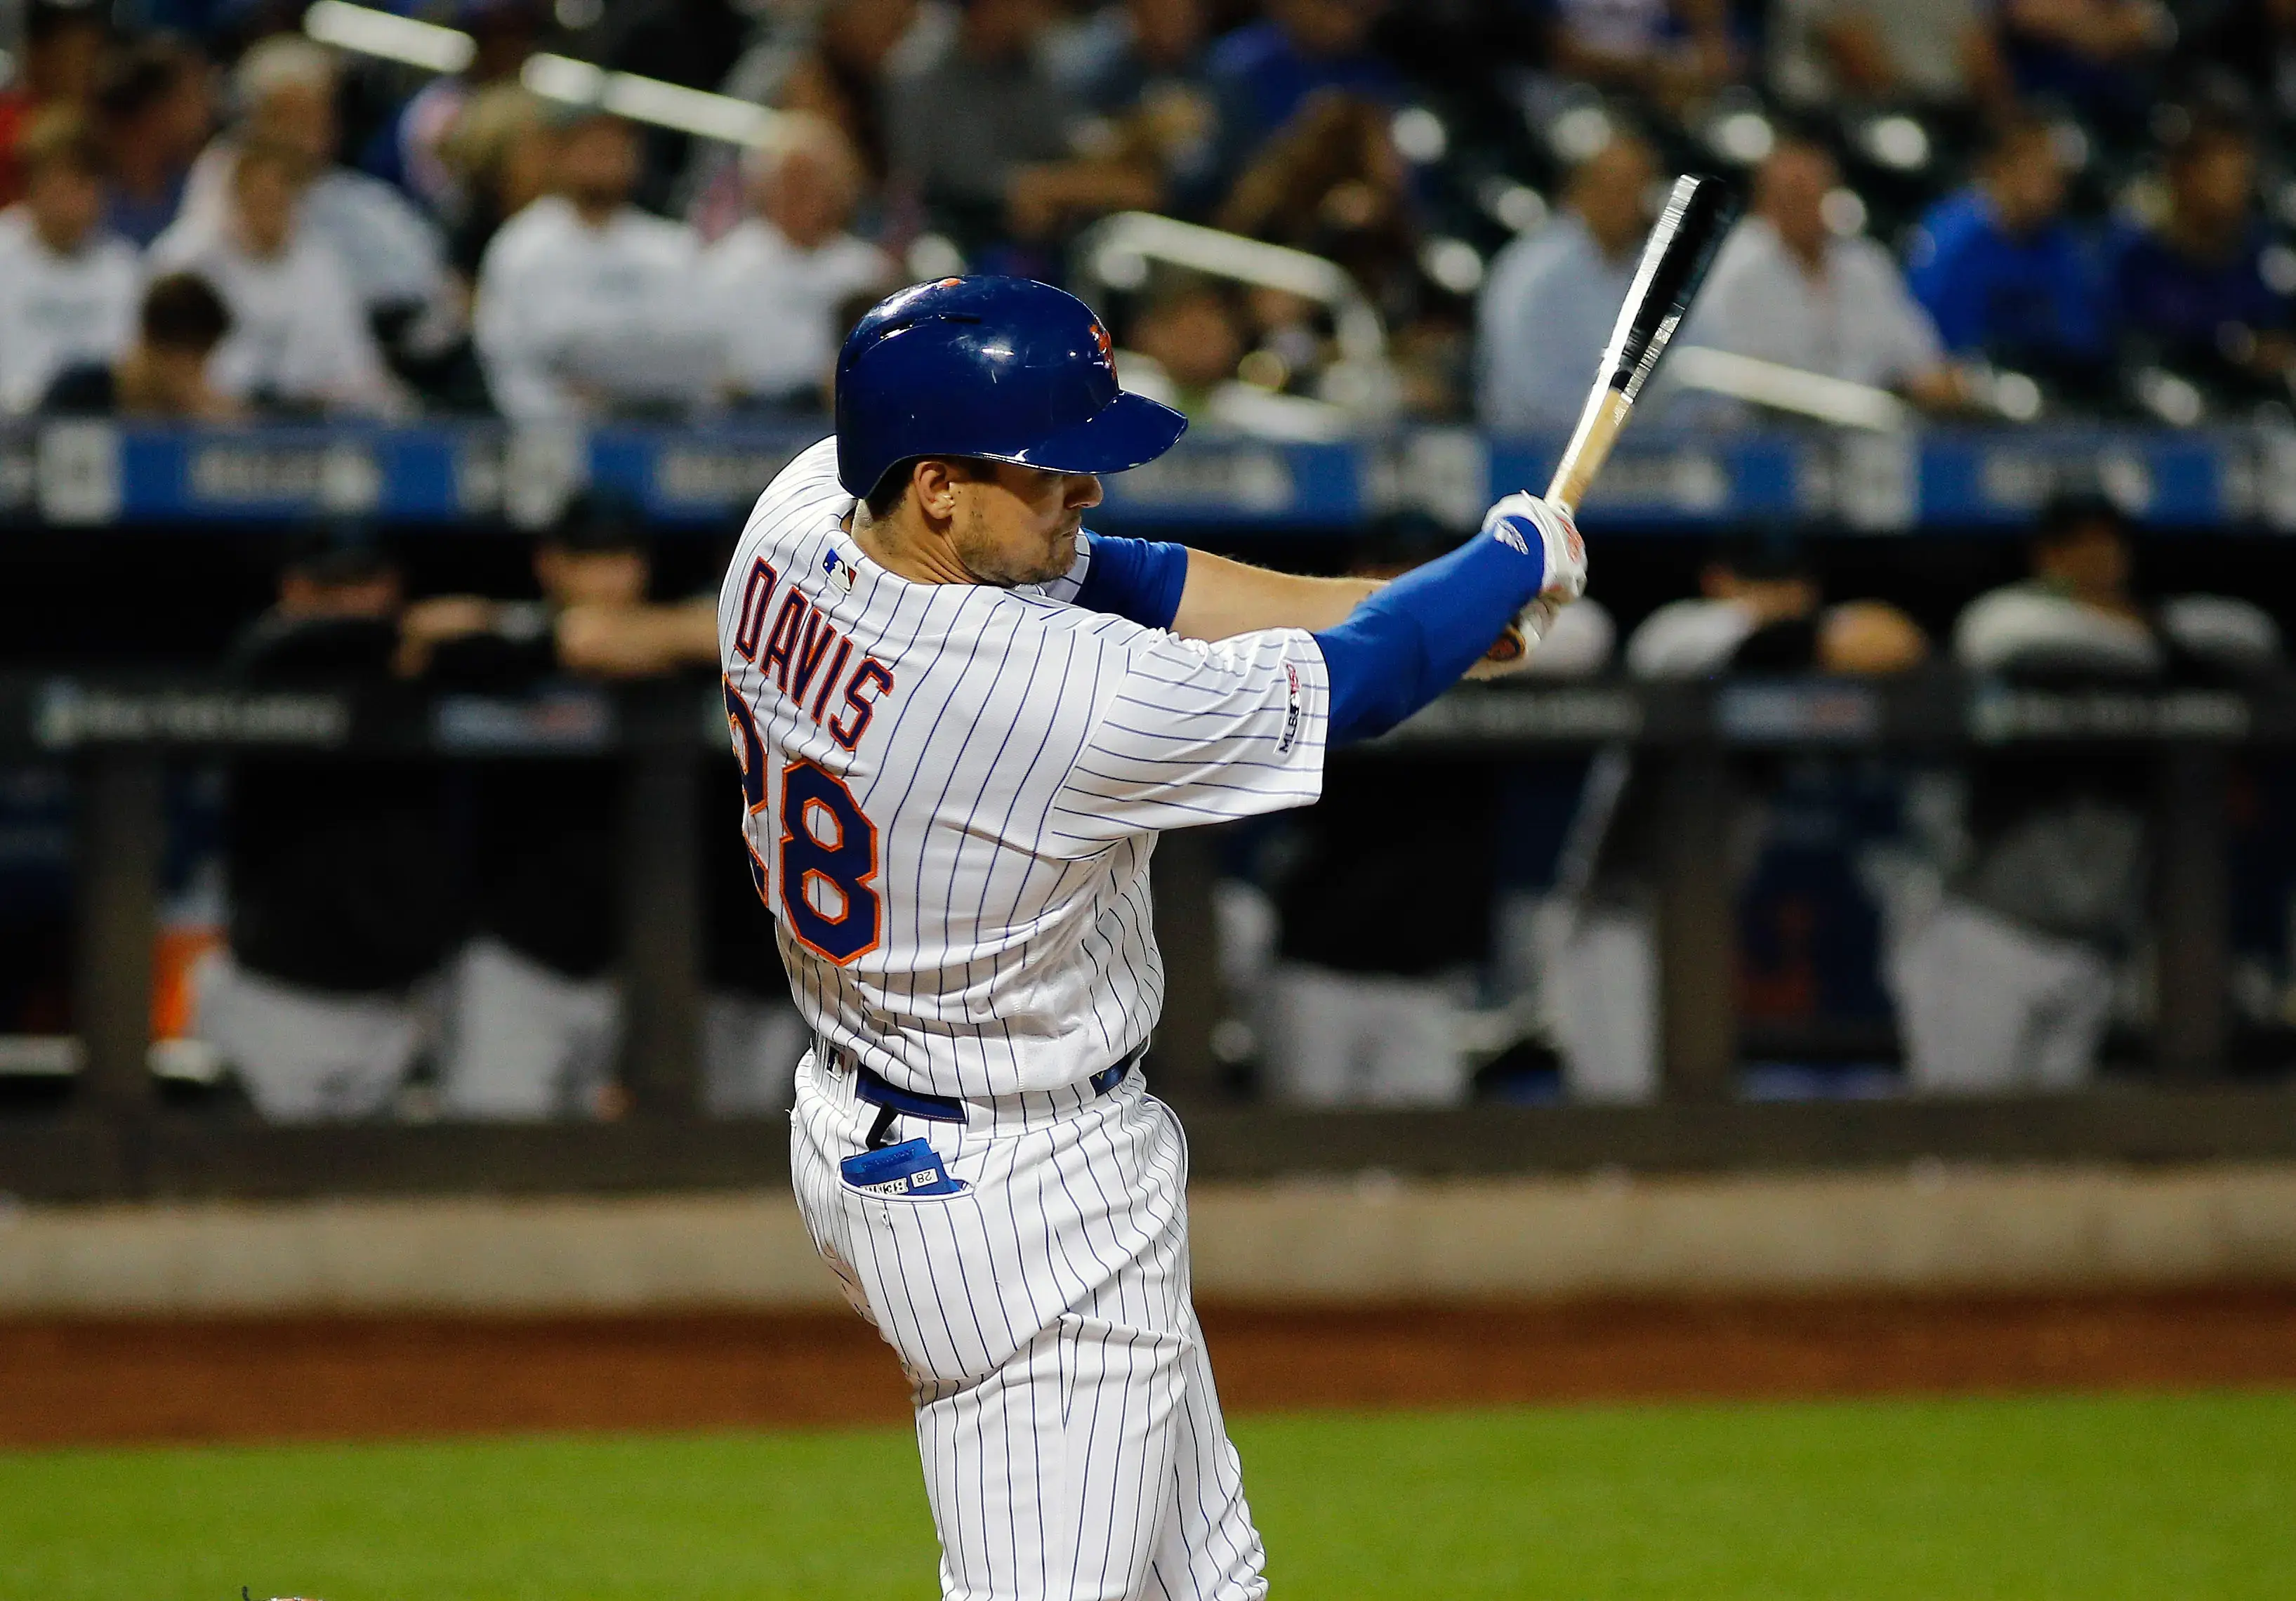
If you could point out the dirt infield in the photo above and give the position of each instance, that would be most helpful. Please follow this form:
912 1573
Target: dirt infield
347 1379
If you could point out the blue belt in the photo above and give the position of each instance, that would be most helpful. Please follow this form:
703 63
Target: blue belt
892 1101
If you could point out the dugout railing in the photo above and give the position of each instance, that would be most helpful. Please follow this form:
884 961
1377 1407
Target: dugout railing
118 734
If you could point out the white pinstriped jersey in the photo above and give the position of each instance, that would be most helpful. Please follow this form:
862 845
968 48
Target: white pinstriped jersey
953 792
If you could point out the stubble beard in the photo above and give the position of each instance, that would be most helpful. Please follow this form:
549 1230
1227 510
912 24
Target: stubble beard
990 566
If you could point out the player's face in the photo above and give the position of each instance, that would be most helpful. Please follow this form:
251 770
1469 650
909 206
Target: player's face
1019 525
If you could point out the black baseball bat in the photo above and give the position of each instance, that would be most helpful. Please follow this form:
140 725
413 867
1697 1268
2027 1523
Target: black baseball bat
1674 259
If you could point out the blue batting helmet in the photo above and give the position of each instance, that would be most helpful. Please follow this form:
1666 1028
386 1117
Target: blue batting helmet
1002 369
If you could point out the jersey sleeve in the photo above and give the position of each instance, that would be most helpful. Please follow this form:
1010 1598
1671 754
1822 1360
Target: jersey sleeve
1184 732
1140 581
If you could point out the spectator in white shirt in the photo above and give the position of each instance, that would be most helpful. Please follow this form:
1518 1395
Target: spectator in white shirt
1551 298
1786 288
586 305
774 282
67 289
284 89
299 339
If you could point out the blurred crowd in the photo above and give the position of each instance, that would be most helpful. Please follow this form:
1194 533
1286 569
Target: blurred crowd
1985 208
1996 207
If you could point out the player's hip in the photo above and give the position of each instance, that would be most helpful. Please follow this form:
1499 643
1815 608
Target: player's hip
979 1045
1005 1231
848 1079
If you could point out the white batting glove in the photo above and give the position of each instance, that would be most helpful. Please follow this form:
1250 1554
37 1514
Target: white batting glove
1527 522
1517 519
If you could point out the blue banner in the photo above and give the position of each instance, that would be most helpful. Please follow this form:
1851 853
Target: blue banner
89 473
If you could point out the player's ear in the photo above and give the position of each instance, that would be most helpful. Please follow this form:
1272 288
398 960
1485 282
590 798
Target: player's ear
933 482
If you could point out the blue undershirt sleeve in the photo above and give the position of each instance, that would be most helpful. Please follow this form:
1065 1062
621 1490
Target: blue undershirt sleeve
1137 580
1409 642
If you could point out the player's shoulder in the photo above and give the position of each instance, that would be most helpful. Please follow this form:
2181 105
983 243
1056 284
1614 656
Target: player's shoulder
810 473
803 499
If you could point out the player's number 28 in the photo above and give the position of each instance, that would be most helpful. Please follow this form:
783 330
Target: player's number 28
828 848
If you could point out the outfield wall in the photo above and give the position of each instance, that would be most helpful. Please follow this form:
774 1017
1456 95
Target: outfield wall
1927 1228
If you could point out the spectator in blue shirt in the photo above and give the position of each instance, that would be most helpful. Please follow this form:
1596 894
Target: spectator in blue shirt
1263 72
2195 292
2006 277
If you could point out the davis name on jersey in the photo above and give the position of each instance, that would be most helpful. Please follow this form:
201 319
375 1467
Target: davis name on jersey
953 792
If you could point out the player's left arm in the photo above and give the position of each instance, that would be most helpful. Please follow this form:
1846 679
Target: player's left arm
1222 598
1199 596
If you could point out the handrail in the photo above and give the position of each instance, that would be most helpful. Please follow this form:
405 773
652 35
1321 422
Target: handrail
1113 254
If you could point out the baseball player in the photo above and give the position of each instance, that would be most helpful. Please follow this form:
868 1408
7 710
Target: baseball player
962 720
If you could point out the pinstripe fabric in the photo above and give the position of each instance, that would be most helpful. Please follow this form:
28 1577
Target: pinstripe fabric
1015 775
1071 1436
1005 761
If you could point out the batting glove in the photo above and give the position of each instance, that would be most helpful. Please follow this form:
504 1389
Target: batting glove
1528 523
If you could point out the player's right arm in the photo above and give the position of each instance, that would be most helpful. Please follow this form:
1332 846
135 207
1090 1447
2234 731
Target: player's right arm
1418 636
1183 732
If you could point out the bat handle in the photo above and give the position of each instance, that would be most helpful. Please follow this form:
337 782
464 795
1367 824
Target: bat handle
1590 446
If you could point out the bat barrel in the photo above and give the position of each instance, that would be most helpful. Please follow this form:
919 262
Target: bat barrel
1698 213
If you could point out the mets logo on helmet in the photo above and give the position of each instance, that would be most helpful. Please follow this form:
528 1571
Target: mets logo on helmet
1104 345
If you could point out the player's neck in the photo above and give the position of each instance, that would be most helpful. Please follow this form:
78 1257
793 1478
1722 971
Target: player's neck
908 551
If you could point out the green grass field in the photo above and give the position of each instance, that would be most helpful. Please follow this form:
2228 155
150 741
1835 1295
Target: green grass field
2182 1497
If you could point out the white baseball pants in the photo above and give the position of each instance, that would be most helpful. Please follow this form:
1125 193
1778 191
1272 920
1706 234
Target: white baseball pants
1072 1442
